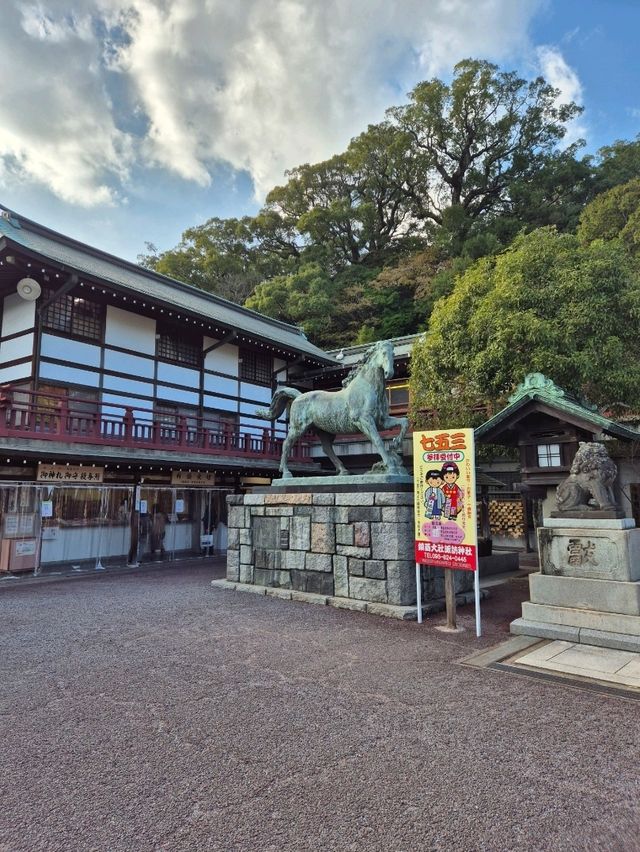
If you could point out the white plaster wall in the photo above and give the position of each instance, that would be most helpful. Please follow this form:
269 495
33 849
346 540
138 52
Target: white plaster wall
117 383
549 502
278 365
72 351
177 395
216 385
224 359
130 331
220 403
15 374
68 374
628 473
281 378
254 393
259 397
189 379
18 314
19 347
133 365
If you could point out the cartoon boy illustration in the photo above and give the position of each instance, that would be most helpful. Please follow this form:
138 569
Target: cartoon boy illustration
434 498
453 494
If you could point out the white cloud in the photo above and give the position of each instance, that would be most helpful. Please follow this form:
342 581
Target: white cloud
561 76
261 86
56 124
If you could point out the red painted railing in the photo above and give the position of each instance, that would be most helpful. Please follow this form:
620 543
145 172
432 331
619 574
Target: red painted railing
54 417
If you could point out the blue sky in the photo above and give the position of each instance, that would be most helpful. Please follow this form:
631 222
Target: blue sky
126 121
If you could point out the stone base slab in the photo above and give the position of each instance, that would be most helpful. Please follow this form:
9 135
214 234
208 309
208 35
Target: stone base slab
404 613
600 638
498 563
543 630
584 593
366 481
589 523
582 618
588 514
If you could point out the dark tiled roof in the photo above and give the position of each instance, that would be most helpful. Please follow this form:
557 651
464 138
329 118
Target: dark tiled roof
98 265
537 387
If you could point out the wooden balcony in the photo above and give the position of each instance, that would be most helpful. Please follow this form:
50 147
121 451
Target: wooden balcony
54 417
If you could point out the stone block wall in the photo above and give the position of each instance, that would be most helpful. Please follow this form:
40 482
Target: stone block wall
356 545
354 548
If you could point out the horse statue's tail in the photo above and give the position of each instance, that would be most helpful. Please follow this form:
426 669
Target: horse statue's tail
282 398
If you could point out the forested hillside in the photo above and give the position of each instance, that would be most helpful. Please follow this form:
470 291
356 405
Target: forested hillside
462 214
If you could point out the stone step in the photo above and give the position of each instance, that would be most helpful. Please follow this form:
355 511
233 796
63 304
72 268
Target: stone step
582 618
601 638
583 593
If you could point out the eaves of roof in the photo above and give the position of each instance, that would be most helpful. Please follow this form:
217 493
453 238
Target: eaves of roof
72 255
536 388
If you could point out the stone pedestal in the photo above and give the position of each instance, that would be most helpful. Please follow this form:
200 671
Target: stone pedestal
588 588
352 548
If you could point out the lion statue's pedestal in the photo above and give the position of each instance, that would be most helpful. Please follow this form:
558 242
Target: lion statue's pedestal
588 586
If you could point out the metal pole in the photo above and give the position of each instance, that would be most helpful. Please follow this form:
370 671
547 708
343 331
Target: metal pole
419 592
476 586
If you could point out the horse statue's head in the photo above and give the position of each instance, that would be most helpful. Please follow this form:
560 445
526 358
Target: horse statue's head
381 355
378 356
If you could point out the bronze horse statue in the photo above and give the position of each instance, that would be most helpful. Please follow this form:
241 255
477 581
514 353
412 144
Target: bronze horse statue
361 406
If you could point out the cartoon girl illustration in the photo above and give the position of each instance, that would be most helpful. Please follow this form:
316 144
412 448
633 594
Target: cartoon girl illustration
453 494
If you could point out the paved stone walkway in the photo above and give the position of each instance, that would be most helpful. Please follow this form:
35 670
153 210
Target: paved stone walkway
619 668
150 711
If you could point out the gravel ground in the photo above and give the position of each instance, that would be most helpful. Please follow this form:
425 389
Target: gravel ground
151 711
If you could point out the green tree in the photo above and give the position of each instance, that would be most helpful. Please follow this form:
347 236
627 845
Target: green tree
617 163
352 208
399 299
228 257
547 304
384 227
614 214
476 138
308 297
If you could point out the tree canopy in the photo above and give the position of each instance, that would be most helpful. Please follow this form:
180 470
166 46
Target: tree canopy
614 214
460 215
547 304
453 174
477 137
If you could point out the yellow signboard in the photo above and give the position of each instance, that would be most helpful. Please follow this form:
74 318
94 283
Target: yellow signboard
445 499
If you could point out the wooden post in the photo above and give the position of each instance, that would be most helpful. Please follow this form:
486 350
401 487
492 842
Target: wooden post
450 598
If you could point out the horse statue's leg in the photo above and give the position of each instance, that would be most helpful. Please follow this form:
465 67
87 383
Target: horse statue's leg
390 423
326 439
368 426
292 436
298 425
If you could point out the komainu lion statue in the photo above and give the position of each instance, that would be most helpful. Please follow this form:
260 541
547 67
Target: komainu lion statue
589 485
